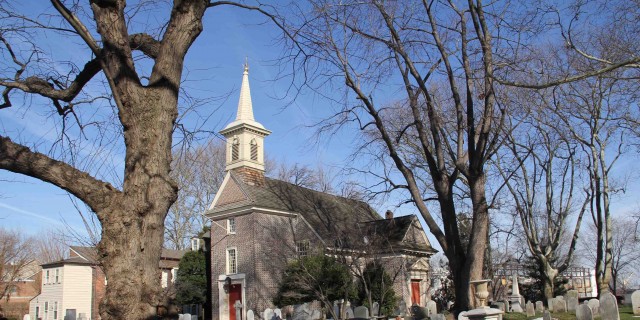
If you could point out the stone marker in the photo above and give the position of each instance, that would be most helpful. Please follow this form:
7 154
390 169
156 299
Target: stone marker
546 315
336 309
507 306
277 313
594 304
572 304
583 312
432 306
186 316
348 314
550 303
361 312
515 298
539 306
571 294
608 307
315 314
530 310
375 309
250 315
635 302
402 308
268 314
559 305
301 312
419 313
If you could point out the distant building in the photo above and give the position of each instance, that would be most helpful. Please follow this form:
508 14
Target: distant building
259 224
75 286
15 304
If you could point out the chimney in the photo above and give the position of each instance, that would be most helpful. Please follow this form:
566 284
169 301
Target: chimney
388 214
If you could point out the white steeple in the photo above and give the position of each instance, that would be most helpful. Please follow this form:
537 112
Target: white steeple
245 136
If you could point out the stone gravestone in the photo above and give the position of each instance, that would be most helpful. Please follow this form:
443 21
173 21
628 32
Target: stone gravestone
348 314
583 312
419 313
515 298
402 308
268 314
375 310
571 293
539 306
277 313
635 302
301 312
594 304
507 306
336 309
187 316
572 304
361 312
315 314
238 307
530 310
559 305
432 306
250 315
546 315
608 307
550 304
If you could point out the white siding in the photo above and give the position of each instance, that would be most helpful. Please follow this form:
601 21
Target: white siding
51 292
77 290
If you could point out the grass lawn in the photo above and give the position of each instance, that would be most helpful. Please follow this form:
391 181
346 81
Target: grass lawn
626 313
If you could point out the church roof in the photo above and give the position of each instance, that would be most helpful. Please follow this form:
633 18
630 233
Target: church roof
326 213
332 217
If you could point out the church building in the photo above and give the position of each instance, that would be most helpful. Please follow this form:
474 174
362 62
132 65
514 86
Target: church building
260 224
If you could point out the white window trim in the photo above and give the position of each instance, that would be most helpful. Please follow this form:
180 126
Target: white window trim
227 265
229 231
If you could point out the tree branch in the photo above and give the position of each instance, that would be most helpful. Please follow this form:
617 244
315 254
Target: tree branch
20 159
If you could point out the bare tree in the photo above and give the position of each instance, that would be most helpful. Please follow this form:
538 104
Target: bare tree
442 55
540 169
199 173
142 72
16 255
50 246
625 252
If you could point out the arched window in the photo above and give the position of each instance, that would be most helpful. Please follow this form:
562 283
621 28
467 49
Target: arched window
254 150
235 149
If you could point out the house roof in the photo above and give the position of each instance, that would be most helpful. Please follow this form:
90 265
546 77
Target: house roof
89 256
326 213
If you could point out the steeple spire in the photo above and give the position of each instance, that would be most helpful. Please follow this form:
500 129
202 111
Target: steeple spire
245 137
245 107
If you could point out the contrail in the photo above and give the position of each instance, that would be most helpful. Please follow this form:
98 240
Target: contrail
29 213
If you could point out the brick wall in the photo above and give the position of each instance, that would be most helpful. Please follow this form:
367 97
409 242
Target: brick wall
98 288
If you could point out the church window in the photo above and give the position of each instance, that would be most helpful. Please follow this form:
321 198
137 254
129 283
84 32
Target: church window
302 248
235 150
231 225
232 261
254 150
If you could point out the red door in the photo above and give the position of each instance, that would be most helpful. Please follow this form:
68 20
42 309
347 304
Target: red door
415 292
235 294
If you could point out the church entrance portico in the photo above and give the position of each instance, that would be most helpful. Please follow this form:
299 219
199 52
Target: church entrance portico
231 289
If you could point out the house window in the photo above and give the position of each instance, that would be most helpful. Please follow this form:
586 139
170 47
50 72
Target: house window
57 276
46 310
46 279
302 248
55 310
231 225
235 149
195 244
254 150
232 261
37 312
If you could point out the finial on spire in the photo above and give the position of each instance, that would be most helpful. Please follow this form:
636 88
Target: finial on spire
246 64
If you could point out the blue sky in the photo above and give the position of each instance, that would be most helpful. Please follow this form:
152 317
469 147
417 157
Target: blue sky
213 69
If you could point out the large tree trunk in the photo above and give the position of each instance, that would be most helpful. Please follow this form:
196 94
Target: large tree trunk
479 230
133 228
